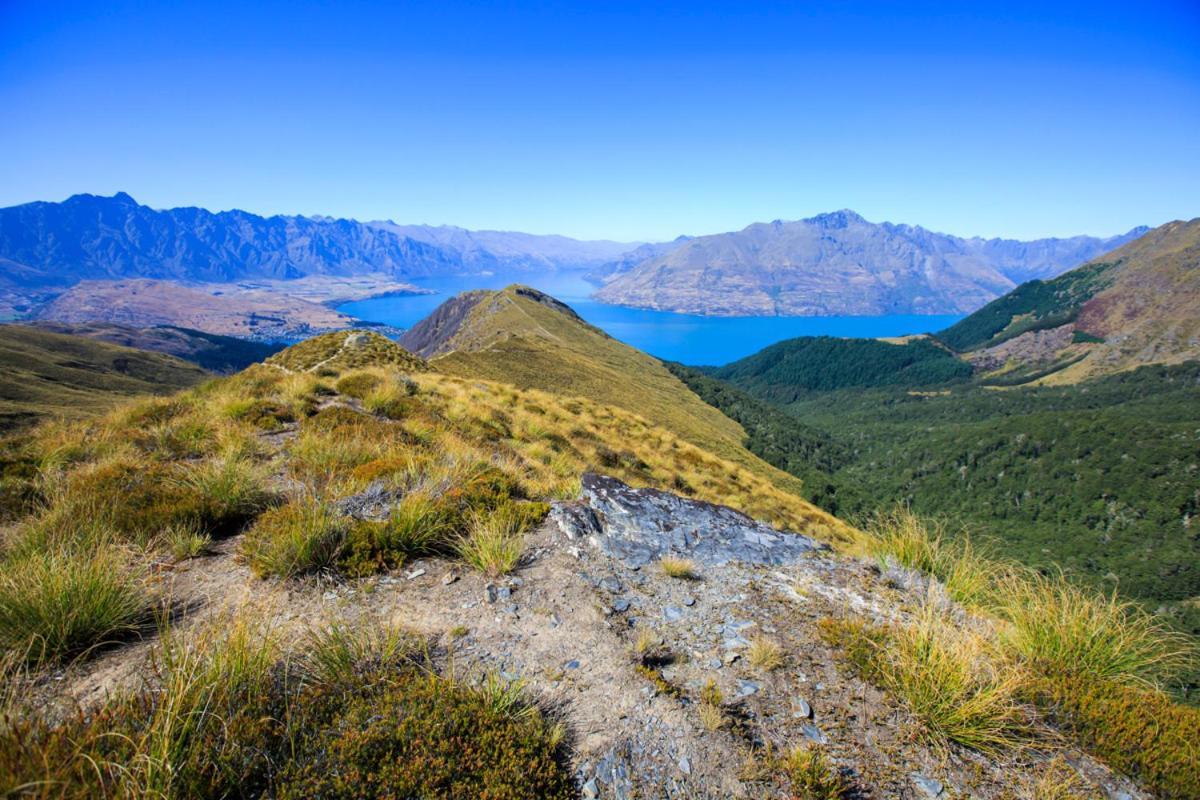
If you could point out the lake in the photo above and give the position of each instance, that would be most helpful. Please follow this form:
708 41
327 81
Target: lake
687 338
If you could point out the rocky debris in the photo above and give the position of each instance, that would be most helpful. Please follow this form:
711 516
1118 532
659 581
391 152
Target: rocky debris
927 787
373 503
640 526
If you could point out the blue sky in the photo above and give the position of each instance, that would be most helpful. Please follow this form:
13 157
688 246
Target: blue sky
614 120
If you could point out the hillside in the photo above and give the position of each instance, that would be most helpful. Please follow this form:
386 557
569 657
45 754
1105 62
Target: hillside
45 374
390 581
1134 306
522 336
841 264
787 370
222 354
261 315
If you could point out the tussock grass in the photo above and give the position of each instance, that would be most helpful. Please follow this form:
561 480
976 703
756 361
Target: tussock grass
303 536
58 604
948 675
232 490
921 544
681 568
1060 628
184 541
765 654
416 526
337 654
493 544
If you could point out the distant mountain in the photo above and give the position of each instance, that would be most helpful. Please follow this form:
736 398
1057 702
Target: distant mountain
504 251
1137 305
96 238
839 263
88 237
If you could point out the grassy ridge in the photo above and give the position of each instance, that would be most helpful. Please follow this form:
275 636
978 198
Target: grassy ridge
509 336
48 374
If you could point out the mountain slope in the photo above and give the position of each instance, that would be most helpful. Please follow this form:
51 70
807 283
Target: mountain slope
839 263
788 369
223 354
51 374
527 338
1136 305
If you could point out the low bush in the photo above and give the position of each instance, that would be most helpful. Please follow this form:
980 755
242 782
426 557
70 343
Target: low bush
57 604
1134 729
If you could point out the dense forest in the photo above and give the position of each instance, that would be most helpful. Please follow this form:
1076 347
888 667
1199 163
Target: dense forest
786 370
1100 479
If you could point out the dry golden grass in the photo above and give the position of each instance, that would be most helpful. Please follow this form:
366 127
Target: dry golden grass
681 568
765 654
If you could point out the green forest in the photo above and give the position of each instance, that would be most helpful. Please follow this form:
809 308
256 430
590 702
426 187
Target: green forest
1100 479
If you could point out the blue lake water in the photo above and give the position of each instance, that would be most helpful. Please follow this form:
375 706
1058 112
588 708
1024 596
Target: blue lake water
688 338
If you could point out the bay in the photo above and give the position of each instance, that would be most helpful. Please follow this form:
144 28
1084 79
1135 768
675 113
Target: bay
687 338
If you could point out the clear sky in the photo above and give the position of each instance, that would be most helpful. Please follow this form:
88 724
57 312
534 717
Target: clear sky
639 120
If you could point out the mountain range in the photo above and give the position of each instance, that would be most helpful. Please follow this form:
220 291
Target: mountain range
832 264
841 264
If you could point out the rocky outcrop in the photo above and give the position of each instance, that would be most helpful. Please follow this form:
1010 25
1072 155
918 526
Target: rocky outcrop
640 526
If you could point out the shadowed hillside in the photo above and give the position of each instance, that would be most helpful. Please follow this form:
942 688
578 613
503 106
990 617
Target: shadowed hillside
49 374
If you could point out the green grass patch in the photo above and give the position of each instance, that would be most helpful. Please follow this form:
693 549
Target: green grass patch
55 605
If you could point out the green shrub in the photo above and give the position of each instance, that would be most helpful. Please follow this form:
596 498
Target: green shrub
423 736
810 776
58 604
358 384
1134 729
302 536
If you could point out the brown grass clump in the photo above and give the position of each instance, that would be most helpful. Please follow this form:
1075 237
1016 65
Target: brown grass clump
765 654
681 568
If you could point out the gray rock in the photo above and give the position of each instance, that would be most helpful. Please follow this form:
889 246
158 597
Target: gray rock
416 573
926 786
747 688
449 578
715 663
639 526
621 604
814 734
672 614
803 709
685 766
572 664
611 585
590 790
689 601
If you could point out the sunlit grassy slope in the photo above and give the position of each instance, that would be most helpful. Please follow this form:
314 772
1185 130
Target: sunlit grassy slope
519 336
48 374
